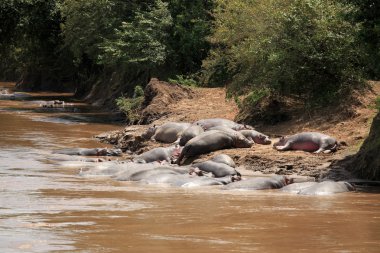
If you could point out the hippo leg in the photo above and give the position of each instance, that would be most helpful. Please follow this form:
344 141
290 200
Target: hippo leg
323 148
285 147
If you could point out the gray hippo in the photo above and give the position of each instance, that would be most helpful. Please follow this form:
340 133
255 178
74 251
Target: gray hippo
307 141
296 187
213 140
222 158
185 180
89 151
52 103
168 154
190 133
167 133
327 188
217 169
143 173
259 183
208 123
257 137
209 181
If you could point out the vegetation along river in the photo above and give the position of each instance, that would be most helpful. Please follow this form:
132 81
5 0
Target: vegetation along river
47 206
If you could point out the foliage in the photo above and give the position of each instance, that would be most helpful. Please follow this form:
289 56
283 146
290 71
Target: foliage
369 15
302 47
30 37
377 103
188 34
183 80
140 41
131 106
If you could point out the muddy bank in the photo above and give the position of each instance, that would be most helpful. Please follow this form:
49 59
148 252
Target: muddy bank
350 129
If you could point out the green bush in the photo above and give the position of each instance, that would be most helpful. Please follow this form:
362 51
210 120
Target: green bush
183 80
131 106
303 48
378 103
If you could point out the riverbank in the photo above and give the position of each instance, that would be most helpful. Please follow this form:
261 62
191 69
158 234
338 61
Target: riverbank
349 128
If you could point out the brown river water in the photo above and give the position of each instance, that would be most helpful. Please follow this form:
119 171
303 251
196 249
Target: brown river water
46 206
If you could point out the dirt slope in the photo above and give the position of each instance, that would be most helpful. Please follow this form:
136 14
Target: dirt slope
350 128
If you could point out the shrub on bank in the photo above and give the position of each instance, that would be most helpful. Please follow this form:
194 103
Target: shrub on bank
302 48
131 106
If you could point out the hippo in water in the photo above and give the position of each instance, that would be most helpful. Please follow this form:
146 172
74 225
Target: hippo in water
190 133
307 141
143 173
327 188
213 140
168 154
260 183
167 133
89 151
206 124
257 137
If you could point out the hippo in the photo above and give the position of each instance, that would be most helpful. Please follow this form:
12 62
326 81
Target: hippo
53 103
167 133
217 169
209 181
206 124
190 133
116 169
144 171
213 140
327 188
6 96
256 137
222 158
89 151
307 141
296 187
259 183
168 154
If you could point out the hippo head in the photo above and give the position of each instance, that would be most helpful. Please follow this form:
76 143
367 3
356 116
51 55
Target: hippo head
262 139
175 152
281 142
241 142
101 151
114 152
235 178
149 133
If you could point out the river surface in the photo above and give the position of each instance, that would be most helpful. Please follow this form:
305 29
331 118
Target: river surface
48 207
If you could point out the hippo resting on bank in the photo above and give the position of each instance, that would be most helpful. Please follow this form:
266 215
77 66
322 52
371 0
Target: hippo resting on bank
308 141
208 123
259 183
217 169
213 140
222 158
168 132
89 151
160 154
190 133
255 136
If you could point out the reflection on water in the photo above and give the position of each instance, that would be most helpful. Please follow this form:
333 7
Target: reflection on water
45 206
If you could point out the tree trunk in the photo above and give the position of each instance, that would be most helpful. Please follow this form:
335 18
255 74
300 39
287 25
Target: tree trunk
366 163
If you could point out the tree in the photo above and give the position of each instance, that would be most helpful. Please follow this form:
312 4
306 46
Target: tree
303 48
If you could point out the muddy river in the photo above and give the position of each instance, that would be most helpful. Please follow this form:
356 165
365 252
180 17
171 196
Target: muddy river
48 207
